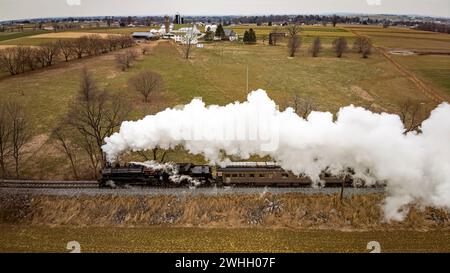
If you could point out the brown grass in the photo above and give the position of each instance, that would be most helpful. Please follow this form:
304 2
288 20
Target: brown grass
293 210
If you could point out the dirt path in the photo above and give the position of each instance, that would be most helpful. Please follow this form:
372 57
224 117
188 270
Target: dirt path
425 89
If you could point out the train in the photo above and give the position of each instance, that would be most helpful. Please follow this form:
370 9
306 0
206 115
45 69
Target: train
233 174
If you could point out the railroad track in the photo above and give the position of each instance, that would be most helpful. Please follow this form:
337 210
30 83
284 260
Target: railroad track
32 184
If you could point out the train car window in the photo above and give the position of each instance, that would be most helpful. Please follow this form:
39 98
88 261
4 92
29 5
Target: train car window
242 175
227 175
252 175
262 175
234 175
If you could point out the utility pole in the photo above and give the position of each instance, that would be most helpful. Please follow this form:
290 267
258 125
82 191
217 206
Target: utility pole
247 79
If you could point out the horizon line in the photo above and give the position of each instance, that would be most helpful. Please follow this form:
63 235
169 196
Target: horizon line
232 15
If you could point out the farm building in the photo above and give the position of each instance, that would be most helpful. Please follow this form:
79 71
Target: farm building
144 36
231 35
212 28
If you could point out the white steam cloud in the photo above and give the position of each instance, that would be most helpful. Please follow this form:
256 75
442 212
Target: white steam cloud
416 167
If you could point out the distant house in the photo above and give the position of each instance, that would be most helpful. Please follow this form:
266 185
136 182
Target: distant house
212 28
193 29
185 38
231 35
181 35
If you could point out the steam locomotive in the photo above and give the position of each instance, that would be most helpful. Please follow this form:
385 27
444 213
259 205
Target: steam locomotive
240 174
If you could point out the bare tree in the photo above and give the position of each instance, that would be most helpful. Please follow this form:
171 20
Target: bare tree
155 153
126 59
65 48
411 115
30 57
367 50
358 44
113 42
70 150
340 46
20 132
22 56
334 20
94 44
316 47
125 40
187 43
363 46
302 106
9 60
95 115
146 83
79 46
5 134
294 41
48 52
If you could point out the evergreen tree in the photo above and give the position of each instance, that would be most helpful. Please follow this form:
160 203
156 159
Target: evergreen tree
252 36
220 32
249 36
246 37
209 35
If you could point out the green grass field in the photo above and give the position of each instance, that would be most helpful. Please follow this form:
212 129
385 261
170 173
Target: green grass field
163 239
4 36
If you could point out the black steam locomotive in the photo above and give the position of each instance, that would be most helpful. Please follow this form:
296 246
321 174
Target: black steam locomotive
244 174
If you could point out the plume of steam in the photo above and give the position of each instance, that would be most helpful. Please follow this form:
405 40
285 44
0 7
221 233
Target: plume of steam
416 167
172 170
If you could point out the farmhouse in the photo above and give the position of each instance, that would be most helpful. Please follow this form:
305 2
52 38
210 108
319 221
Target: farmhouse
186 35
193 30
212 28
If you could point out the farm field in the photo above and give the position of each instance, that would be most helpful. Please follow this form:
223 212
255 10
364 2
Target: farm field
217 73
163 239
404 38
432 69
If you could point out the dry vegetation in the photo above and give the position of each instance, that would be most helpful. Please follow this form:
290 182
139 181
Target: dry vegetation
298 211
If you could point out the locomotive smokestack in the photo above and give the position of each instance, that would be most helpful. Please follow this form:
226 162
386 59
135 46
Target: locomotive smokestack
415 166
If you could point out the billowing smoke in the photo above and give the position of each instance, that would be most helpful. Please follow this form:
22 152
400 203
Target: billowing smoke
172 170
416 167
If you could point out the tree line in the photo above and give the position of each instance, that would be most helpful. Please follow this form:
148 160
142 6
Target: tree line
361 45
20 59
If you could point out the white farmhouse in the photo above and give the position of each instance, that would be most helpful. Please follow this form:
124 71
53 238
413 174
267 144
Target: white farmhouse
212 28
186 35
